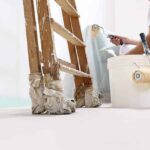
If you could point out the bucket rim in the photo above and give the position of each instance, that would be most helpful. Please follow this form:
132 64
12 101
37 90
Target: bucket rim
128 60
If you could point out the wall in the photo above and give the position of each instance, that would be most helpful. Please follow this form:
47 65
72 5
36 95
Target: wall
131 17
100 12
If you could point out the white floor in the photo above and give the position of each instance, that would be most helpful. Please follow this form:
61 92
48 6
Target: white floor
87 129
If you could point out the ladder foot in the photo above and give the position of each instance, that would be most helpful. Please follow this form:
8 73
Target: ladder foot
87 97
49 100
55 103
92 98
36 93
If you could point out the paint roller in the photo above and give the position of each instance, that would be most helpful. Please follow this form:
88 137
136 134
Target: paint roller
95 29
142 75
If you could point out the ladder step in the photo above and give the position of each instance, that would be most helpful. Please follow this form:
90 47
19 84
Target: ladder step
66 34
65 63
67 7
69 70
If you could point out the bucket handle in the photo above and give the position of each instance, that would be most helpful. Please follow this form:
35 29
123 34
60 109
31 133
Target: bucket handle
136 65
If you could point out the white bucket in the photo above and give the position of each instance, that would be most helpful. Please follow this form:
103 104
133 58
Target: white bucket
124 91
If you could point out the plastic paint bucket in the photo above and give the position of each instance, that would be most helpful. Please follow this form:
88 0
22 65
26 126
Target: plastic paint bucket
124 91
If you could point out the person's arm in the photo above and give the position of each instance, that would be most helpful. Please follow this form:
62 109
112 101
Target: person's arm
117 40
132 42
139 48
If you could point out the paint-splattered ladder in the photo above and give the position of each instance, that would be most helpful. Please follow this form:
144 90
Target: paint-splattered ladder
71 32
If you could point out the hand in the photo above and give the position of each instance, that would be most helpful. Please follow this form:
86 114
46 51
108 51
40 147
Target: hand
118 40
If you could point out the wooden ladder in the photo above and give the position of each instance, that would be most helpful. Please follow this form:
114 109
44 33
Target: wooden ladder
71 32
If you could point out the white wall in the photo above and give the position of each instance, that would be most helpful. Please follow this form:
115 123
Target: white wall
131 17
100 12
9 47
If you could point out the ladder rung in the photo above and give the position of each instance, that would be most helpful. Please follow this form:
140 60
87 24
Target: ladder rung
65 63
74 71
67 7
66 33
